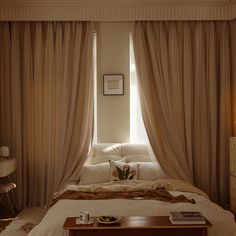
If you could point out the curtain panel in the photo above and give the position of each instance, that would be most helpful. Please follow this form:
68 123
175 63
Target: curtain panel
185 72
46 103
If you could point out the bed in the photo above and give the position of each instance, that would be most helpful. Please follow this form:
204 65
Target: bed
150 193
52 223
99 195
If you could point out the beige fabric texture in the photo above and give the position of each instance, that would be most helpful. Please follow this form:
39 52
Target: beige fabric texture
184 71
133 185
46 94
233 76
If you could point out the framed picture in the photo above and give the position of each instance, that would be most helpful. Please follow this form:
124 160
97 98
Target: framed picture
113 84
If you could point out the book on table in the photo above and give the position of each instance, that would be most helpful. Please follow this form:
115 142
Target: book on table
187 217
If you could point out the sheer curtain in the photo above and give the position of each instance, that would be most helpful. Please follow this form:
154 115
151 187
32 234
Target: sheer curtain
184 71
46 103
138 132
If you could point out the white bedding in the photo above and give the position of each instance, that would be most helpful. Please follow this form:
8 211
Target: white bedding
52 224
32 215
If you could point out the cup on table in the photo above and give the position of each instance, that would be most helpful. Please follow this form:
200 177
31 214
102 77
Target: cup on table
84 217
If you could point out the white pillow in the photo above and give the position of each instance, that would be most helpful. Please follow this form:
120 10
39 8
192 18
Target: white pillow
96 173
102 159
151 171
123 171
138 158
92 174
103 149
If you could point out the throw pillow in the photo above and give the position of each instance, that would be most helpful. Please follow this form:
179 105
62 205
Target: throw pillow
93 174
123 171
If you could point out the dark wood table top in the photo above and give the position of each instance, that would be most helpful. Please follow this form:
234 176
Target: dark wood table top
134 222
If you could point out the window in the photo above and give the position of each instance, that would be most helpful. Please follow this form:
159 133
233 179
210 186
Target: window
137 130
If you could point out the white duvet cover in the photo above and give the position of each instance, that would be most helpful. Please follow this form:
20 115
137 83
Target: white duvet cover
52 224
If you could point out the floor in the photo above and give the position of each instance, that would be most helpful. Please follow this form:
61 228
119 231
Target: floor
6 217
16 226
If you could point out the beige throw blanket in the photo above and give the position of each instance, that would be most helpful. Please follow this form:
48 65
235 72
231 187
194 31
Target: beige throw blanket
158 194
156 190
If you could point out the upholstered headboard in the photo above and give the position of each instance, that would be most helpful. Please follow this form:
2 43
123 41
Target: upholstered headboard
103 152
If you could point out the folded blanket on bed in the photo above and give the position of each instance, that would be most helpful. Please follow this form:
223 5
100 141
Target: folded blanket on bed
156 190
159 194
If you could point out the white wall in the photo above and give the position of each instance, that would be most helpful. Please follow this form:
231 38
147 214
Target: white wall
113 112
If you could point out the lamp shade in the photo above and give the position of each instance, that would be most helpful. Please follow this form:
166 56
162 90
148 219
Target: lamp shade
4 151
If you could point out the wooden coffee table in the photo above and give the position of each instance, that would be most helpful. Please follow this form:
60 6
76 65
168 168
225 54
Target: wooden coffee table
136 226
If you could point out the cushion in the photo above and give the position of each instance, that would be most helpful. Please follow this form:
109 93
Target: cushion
102 159
6 187
123 171
92 174
133 149
103 152
150 171
138 158
102 149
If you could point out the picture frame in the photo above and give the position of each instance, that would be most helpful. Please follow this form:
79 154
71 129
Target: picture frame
113 84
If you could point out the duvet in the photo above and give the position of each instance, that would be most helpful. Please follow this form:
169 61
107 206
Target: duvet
52 224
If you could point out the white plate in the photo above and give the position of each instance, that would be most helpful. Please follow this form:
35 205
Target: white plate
117 219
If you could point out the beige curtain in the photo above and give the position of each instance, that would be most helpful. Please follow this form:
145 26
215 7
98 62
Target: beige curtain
46 103
184 71
233 74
